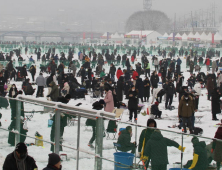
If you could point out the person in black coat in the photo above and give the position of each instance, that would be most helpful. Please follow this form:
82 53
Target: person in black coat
170 91
32 70
120 88
19 158
154 80
215 103
83 74
127 86
155 110
138 69
24 72
140 88
133 103
146 83
2 83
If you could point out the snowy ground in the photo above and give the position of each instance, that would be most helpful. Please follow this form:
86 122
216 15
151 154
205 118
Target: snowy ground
40 123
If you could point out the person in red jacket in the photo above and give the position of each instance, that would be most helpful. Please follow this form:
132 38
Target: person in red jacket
134 77
208 64
119 73
132 59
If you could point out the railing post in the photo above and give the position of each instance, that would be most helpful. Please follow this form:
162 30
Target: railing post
57 130
78 142
99 143
18 120
182 153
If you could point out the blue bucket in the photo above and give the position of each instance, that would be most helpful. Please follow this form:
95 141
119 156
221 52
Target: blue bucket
50 122
124 158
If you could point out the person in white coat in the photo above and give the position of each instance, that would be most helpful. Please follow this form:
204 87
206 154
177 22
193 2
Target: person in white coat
157 94
65 89
197 88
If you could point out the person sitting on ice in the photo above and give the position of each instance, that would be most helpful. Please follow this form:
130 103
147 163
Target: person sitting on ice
124 140
155 110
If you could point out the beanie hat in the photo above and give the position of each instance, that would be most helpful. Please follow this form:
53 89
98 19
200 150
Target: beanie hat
54 159
156 103
21 148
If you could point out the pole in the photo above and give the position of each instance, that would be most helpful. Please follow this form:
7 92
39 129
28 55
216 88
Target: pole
135 141
18 120
99 143
57 130
182 154
78 141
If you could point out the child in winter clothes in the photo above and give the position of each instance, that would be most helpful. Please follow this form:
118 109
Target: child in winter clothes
155 110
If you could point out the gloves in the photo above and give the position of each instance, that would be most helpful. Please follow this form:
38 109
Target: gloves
212 150
144 158
181 149
195 159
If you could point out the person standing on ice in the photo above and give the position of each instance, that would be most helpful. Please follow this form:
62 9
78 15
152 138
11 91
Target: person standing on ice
185 110
133 103
170 91
156 151
197 88
215 103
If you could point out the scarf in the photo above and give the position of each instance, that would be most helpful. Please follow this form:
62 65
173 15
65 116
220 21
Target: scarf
20 162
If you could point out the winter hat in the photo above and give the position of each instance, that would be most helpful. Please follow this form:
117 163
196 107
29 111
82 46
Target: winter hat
195 140
21 148
20 92
151 121
53 159
68 96
156 103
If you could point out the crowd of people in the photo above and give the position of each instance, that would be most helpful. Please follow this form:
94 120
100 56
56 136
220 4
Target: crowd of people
129 80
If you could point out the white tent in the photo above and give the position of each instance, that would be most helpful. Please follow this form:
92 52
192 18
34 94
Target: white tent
171 35
197 35
178 35
203 37
143 33
165 35
115 36
209 37
217 37
190 35
184 37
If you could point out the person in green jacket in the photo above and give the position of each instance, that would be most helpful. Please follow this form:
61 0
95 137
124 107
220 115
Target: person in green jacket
124 140
200 160
156 150
145 136
102 73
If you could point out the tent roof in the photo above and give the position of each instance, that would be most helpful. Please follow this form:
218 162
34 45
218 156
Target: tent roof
203 36
165 35
197 35
116 35
146 32
190 35
178 35
217 37
184 36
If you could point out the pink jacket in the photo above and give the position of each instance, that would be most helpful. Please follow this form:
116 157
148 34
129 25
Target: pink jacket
109 102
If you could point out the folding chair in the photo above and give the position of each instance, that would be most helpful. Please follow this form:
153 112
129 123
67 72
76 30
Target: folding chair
116 145
111 129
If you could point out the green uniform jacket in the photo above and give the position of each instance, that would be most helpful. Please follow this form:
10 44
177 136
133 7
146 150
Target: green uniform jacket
200 149
156 148
146 133
124 140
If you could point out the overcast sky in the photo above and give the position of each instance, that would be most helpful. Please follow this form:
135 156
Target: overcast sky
96 14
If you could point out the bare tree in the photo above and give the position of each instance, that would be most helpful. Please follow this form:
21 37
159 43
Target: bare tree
148 20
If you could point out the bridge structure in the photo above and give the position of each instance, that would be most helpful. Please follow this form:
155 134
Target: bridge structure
74 36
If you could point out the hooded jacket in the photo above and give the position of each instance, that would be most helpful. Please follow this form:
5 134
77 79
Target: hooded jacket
145 135
186 107
124 140
156 148
55 91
